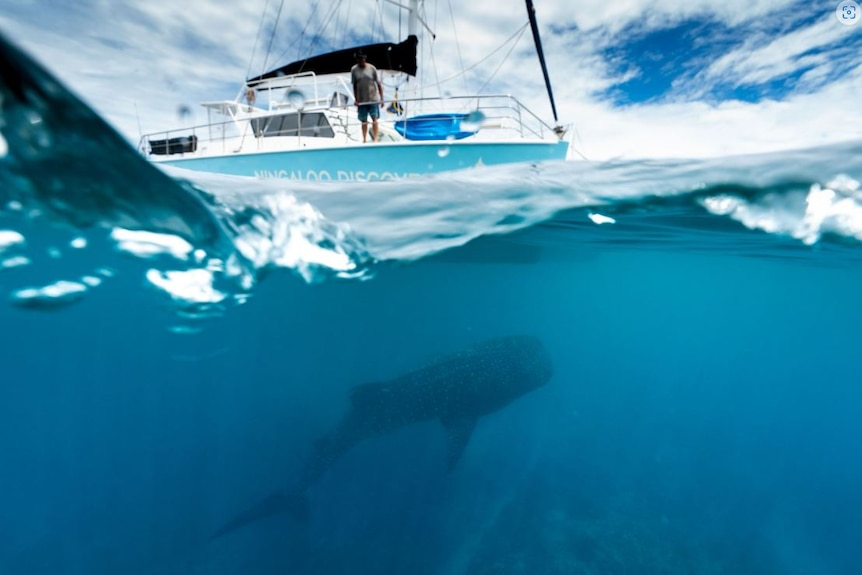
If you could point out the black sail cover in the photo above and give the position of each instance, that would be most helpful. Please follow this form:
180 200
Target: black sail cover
400 57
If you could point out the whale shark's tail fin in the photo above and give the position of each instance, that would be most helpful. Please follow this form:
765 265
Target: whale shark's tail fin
293 504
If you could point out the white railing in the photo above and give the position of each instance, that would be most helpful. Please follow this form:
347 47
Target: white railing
496 116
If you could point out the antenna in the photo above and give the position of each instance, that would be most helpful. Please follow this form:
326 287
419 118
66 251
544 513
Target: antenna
138 118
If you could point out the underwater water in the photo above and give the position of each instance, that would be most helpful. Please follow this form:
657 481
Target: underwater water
175 345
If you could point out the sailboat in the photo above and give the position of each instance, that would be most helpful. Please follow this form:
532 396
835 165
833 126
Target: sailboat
299 122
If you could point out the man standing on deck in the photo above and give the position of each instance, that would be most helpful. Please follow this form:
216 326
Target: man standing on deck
367 92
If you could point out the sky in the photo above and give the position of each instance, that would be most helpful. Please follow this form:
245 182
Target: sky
631 78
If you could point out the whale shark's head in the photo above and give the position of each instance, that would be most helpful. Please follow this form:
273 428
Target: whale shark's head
527 357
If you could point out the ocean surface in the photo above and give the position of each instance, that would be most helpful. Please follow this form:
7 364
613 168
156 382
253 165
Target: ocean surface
174 345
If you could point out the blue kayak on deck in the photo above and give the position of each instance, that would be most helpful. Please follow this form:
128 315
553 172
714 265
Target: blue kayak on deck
433 127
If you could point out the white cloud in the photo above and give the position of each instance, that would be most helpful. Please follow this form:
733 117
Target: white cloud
699 129
758 61
137 62
617 14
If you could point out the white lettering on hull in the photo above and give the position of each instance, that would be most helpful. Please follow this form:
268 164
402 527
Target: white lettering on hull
327 176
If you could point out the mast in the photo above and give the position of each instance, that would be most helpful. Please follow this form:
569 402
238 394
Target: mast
531 12
413 30
413 18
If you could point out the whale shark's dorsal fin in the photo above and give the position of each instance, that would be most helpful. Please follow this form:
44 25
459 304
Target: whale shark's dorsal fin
459 430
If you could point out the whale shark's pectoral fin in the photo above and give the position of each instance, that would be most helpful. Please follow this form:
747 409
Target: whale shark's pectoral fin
459 430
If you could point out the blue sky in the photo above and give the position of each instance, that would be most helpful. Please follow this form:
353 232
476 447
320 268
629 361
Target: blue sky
634 78
669 63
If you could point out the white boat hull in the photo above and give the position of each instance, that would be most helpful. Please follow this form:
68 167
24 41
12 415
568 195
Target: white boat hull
373 161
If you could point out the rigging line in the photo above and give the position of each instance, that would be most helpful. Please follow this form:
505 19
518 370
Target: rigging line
257 39
518 33
333 12
338 28
425 18
438 84
382 35
302 36
457 43
299 36
434 21
272 36
342 25
509 53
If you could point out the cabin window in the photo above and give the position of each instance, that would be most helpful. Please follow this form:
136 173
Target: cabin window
310 125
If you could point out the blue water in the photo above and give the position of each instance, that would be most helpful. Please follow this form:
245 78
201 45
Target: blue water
703 416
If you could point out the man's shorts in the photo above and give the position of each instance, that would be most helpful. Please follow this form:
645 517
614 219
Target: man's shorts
366 110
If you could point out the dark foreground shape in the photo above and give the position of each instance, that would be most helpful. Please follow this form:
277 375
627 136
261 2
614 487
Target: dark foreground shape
457 391
67 162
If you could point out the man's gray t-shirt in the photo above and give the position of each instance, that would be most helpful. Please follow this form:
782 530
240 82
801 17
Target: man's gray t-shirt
365 81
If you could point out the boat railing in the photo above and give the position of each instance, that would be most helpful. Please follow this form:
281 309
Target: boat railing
224 137
289 92
282 93
498 114
501 112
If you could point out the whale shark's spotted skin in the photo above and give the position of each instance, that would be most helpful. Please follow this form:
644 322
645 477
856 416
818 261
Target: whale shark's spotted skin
457 391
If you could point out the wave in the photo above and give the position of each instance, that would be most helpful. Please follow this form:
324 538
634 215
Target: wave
67 179
63 168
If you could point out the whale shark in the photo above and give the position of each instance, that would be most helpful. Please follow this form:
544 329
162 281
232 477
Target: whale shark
456 391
